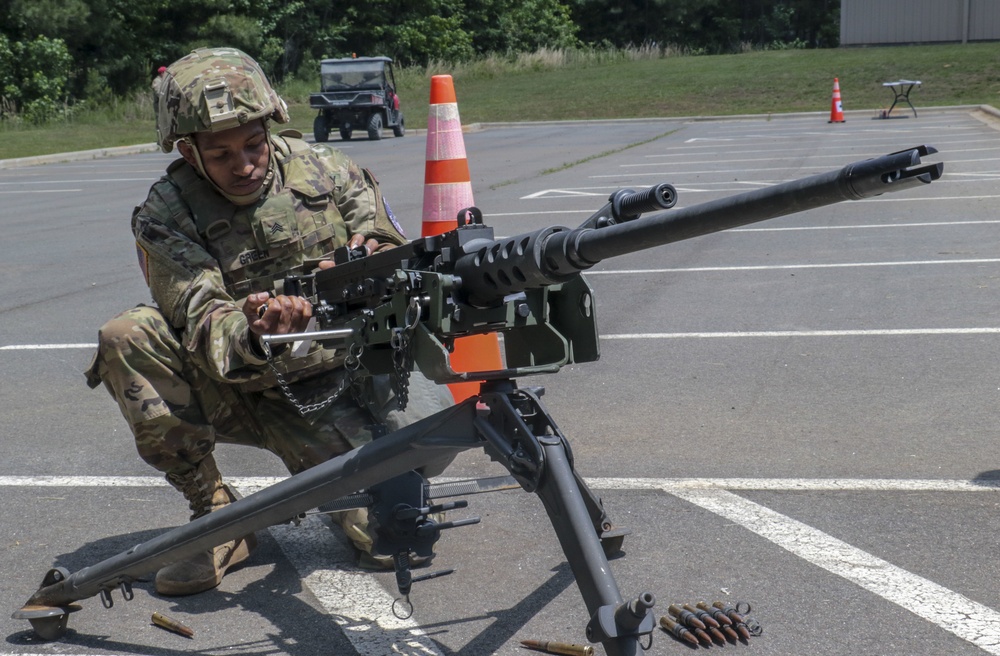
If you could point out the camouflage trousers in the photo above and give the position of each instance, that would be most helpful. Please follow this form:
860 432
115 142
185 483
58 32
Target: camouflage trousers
178 414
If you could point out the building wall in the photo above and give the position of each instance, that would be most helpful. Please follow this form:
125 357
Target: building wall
984 20
869 22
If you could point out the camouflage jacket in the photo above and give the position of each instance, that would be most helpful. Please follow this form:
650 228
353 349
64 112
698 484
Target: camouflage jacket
202 255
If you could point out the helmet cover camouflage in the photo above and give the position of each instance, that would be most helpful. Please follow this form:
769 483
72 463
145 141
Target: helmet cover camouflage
210 90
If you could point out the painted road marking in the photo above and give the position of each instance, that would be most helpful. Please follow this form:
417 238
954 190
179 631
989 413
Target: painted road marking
559 194
352 597
20 183
41 191
44 347
781 267
254 483
870 226
953 612
900 332
885 332
786 152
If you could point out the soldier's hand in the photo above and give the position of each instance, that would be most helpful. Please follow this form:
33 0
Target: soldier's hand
357 241
284 314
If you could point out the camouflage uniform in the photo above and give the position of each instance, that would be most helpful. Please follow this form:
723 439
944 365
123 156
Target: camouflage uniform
186 374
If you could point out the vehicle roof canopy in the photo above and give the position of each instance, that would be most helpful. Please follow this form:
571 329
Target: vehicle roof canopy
347 60
355 74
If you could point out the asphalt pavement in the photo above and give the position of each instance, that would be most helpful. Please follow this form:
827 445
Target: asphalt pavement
799 414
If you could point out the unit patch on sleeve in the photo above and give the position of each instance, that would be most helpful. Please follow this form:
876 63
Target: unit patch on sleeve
143 261
392 217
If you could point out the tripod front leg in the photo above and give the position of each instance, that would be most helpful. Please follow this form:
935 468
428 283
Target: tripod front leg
616 624
524 437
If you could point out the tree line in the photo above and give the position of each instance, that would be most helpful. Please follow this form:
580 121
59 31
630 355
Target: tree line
57 54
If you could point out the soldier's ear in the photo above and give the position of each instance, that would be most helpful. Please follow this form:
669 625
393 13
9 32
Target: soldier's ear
184 148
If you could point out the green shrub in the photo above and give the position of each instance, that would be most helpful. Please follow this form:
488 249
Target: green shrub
33 78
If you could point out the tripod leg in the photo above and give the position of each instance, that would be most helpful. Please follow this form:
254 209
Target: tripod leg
560 492
521 434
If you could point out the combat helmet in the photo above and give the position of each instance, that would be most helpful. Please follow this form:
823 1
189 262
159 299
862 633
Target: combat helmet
210 90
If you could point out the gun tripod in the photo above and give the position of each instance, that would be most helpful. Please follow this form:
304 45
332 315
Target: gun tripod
510 424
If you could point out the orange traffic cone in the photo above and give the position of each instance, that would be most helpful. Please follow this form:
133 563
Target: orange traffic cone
447 183
448 189
836 107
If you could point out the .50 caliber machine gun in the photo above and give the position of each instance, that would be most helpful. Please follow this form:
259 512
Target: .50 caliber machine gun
404 308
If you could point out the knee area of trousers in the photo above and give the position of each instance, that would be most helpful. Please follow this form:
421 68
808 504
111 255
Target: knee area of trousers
135 326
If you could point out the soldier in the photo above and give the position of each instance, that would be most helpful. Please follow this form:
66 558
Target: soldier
237 212
155 84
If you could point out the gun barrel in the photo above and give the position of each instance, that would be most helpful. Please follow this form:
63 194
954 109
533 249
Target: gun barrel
888 173
553 255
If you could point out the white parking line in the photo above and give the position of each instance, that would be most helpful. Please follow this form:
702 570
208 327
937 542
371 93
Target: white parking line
351 597
780 267
44 347
661 164
786 152
885 332
897 332
21 183
872 226
744 183
953 612
40 191
251 484
797 484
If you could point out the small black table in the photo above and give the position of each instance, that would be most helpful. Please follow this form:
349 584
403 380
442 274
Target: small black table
901 91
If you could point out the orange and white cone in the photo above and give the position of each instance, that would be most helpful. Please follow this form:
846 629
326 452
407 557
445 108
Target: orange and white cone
836 106
447 183
447 190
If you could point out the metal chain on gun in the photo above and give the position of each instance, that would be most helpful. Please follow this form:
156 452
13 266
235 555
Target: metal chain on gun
402 353
351 364
402 360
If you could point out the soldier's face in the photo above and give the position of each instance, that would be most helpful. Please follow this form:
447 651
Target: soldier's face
235 159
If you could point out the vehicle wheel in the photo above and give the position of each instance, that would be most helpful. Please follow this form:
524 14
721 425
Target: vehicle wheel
400 128
320 130
345 134
375 127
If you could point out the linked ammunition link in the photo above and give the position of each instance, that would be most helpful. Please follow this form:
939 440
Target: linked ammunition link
704 624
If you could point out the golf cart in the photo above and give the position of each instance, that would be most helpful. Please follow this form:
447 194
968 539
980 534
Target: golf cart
356 93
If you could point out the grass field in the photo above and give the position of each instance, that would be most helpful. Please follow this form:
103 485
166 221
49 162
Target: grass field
559 86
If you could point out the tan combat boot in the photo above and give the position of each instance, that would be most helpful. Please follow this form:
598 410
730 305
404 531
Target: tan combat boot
204 490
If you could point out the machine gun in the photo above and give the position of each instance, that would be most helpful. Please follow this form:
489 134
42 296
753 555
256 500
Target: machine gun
404 308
